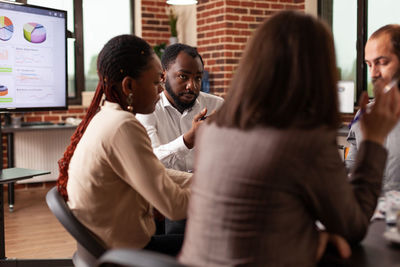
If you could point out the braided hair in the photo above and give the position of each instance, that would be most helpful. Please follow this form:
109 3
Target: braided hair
123 55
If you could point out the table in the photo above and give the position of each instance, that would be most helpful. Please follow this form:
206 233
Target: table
7 176
373 251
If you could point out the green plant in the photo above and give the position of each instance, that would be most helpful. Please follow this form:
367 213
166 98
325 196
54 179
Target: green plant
159 49
172 20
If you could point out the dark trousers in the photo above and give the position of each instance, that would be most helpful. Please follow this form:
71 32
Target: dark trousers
166 244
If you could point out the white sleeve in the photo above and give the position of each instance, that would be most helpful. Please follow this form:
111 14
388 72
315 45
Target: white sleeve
169 153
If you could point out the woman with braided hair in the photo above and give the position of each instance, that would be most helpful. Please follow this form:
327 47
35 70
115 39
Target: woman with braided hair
109 175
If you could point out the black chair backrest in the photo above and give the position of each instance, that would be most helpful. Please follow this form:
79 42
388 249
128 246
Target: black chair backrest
81 234
136 258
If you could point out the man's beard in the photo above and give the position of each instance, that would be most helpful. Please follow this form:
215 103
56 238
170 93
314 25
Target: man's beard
177 102
395 77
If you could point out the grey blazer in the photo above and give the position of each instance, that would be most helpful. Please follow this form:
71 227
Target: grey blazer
257 194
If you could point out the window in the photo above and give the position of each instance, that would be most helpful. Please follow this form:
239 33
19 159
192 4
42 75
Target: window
102 20
344 28
352 22
380 13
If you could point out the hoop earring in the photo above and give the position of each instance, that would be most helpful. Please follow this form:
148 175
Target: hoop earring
130 101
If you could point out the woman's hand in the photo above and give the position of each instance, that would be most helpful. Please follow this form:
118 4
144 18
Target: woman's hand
339 242
377 122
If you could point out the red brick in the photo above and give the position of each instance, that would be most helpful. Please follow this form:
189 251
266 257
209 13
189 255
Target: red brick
153 10
232 32
76 110
210 34
210 6
30 119
241 25
262 5
247 3
247 18
232 3
58 112
210 20
277 6
51 118
232 17
245 33
240 39
146 15
162 17
40 112
241 10
148 3
153 22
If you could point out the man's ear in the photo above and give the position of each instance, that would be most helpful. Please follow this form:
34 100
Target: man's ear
128 85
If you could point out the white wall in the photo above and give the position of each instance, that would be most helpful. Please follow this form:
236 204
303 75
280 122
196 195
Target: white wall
187 24
138 18
311 7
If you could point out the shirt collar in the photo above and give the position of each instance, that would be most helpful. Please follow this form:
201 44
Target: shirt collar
111 105
164 100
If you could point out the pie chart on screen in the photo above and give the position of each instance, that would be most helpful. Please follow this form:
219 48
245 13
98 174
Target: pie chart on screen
6 28
34 32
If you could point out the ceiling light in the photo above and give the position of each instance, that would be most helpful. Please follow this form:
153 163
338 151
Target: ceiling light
181 2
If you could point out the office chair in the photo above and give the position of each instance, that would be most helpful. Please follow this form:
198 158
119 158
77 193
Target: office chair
136 258
89 246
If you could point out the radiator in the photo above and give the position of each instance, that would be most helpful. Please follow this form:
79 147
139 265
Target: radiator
41 149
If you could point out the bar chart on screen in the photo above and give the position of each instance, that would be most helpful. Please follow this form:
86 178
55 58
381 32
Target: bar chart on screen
3 54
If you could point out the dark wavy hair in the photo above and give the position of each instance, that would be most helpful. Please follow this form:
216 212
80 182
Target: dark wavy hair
287 77
123 55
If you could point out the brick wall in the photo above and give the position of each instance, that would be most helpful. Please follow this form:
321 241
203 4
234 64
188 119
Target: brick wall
223 29
155 27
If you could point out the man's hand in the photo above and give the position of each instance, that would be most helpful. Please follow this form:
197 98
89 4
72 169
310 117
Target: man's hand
189 137
339 242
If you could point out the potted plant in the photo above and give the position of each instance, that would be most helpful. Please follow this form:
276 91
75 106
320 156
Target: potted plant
172 20
159 49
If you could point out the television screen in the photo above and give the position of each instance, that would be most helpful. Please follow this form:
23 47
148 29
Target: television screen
33 58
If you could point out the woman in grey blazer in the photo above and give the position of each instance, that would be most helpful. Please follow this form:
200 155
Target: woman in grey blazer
267 167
